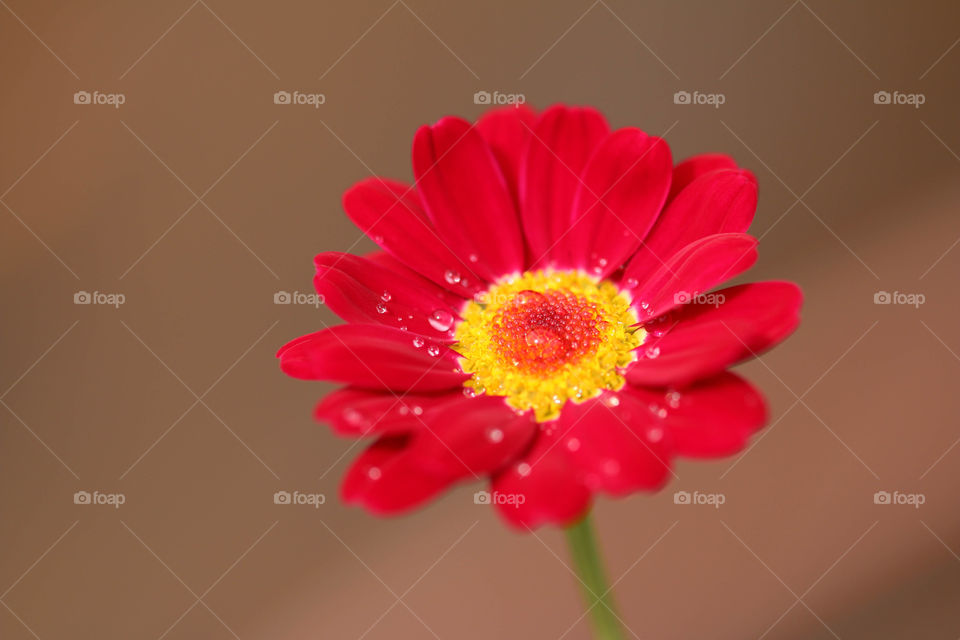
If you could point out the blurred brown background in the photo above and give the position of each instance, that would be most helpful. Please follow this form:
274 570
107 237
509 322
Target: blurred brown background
199 198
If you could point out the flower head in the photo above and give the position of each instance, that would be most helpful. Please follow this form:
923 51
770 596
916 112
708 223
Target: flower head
539 317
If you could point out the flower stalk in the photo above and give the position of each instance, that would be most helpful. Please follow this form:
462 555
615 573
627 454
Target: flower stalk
590 571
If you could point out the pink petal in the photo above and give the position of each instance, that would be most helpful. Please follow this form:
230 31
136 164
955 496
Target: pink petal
698 267
712 419
706 339
390 213
719 202
541 487
563 140
615 444
465 195
507 131
360 412
692 168
624 186
358 290
371 357
385 480
472 436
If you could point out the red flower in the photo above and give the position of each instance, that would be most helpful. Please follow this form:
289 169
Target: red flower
537 316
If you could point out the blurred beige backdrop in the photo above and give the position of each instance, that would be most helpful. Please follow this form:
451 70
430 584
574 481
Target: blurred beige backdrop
198 198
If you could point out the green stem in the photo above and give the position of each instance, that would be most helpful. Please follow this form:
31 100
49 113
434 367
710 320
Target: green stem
589 566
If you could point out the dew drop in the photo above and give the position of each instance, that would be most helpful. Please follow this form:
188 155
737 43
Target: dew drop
573 444
385 296
418 342
374 473
655 434
630 283
523 469
441 320
652 352
433 350
381 308
673 399
473 257
451 276
495 435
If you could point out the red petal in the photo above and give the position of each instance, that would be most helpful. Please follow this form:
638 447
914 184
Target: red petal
692 168
507 131
696 268
563 140
360 412
371 357
541 487
711 419
623 189
358 290
385 480
465 195
615 444
718 202
390 213
472 436
706 339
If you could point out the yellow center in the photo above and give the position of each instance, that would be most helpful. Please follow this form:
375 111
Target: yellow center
545 337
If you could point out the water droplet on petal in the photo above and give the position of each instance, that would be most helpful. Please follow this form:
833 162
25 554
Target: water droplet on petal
451 276
381 308
385 296
495 435
523 469
655 434
630 283
441 320
418 342
473 257
652 352
374 473
673 399
573 444
433 350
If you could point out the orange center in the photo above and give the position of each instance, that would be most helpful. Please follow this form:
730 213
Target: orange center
540 332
